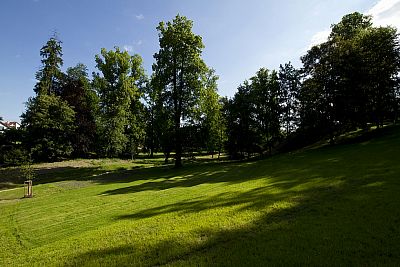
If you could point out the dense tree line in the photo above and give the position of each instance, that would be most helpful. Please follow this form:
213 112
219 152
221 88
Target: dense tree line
350 81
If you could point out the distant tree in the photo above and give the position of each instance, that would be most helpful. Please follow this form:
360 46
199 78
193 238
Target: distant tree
77 91
150 99
118 89
210 115
136 129
289 83
49 77
265 94
241 123
179 69
253 116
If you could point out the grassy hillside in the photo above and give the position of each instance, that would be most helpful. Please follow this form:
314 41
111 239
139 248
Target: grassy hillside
330 205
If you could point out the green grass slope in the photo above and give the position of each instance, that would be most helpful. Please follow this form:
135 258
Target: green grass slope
327 206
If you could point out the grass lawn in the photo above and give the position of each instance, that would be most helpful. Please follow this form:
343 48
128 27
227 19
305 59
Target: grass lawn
331 205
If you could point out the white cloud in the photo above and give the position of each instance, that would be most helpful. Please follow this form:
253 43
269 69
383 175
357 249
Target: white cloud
319 37
140 42
128 48
139 17
386 12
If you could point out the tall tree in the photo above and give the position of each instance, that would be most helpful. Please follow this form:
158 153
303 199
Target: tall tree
179 69
50 75
241 123
265 94
379 52
49 120
319 90
78 92
118 89
350 97
210 116
289 82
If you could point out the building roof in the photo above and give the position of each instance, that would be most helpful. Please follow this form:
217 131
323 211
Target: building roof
10 124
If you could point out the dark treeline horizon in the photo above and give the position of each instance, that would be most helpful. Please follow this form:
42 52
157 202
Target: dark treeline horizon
349 82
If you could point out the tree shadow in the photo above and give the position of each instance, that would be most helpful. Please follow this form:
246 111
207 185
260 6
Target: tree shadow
318 228
330 206
143 168
277 167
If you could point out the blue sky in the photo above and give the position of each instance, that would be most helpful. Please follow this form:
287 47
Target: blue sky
239 36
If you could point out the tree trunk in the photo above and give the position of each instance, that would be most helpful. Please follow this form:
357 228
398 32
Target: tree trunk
178 142
152 133
177 119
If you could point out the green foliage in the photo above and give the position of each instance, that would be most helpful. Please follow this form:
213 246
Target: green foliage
351 80
289 83
118 92
254 115
350 25
136 129
49 123
11 150
27 170
210 116
49 76
78 92
178 71
266 99
13 156
48 120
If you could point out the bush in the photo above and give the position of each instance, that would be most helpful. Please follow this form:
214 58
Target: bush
13 156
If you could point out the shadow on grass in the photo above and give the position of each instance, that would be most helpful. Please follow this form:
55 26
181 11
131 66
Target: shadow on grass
330 206
321 225
323 162
12 177
141 167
